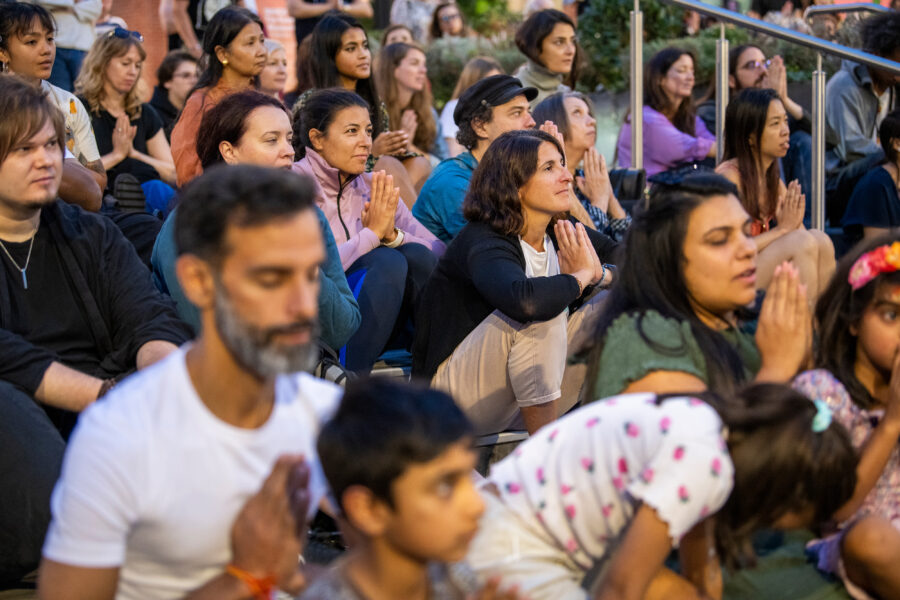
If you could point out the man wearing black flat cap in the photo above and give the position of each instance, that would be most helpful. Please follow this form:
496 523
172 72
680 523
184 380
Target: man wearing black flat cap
486 110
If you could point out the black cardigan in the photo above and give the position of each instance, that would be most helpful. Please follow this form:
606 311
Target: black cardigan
483 271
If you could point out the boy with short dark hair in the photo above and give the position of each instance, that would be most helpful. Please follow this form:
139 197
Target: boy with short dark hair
399 460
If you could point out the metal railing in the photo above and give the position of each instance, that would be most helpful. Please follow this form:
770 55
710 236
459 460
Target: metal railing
831 9
818 83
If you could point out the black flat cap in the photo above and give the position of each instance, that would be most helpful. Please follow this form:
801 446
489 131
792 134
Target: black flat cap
492 91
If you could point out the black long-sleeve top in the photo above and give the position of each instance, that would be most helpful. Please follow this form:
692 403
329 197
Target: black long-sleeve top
94 316
483 271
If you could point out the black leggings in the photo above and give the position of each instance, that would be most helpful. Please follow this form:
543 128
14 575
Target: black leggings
394 277
31 452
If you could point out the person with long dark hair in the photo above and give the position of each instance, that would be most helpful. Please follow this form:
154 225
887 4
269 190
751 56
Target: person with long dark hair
548 39
573 115
448 21
674 320
383 248
673 133
339 56
858 375
756 136
494 328
234 54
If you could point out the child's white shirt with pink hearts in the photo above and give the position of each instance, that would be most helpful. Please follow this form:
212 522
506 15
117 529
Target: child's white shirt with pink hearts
580 479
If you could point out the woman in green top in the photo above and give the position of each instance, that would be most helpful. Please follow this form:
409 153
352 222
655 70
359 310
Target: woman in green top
673 322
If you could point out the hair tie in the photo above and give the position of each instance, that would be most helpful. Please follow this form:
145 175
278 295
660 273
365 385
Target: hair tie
884 259
822 419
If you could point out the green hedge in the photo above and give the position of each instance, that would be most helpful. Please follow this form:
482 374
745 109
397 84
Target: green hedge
447 57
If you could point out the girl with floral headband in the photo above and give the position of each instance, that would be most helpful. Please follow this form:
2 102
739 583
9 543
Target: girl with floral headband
615 485
858 316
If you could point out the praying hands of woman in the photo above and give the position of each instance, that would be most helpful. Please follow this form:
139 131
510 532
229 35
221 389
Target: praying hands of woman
576 254
791 205
784 333
378 213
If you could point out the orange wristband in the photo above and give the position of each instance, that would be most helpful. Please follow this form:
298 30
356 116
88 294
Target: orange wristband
261 588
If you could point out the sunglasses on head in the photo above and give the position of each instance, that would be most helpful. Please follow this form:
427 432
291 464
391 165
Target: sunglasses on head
124 34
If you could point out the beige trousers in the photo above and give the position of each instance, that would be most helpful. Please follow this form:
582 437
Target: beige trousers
503 365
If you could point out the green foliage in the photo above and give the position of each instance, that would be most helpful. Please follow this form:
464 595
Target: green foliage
488 17
604 33
447 57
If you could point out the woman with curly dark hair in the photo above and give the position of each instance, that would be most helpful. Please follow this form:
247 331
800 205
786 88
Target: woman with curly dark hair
514 291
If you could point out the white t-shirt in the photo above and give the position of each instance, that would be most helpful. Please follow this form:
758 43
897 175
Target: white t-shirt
579 479
79 130
448 125
540 264
152 481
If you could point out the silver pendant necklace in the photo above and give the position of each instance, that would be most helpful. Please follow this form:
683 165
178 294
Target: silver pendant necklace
22 270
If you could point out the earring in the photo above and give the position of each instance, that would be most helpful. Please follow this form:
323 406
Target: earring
225 62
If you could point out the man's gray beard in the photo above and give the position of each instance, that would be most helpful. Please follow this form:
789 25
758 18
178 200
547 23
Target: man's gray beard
253 349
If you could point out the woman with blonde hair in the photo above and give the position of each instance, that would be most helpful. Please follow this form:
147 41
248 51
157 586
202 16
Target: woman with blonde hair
273 77
401 79
129 132
475 70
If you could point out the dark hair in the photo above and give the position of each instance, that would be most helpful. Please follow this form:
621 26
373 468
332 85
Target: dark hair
225 25
735 54
170 63
435 29
745 120
318 112
381 428
881 33
26 109
16 19
553 108
651 277
530 39
466 135
780 464
654 96
421 102
227 122
325 43
888 131
239 196
510 161
839 308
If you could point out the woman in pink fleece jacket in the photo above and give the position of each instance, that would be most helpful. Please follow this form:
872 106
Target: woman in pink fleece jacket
375 232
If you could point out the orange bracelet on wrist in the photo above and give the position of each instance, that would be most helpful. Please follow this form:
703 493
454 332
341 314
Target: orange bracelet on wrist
261 588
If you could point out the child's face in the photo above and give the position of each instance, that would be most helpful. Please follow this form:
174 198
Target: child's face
436 507
878 332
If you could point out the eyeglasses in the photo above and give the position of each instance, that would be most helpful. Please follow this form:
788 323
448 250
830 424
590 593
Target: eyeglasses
448 18
755 65
124 34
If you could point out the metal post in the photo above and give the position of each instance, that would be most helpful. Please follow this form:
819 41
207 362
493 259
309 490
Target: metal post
818 146
721 91
637 87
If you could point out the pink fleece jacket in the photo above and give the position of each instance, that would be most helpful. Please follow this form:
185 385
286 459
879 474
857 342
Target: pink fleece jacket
343 207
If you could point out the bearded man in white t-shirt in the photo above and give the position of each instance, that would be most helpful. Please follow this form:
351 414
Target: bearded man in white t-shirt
195 478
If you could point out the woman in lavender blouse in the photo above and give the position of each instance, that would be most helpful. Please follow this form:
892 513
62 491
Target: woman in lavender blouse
673 133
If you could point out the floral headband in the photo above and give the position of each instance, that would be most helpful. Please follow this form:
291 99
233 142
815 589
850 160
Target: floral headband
884 259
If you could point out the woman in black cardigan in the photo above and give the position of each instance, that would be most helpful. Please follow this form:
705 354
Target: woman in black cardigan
497 318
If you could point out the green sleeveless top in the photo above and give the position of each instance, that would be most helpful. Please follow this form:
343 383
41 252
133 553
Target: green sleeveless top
627 356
